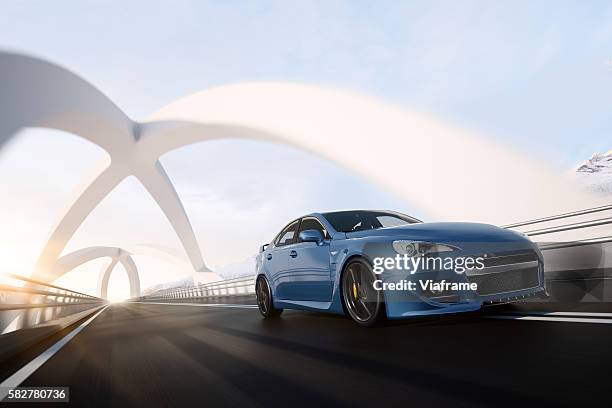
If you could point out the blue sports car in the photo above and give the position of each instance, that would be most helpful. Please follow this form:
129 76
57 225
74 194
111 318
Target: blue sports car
376 264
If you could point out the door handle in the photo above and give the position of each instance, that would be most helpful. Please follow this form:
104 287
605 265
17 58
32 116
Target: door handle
269 256
293 254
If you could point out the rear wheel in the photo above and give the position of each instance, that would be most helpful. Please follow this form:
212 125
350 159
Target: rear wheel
264 299
363 303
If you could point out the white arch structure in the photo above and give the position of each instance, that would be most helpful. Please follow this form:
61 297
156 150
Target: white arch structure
117 256
444 171
36 93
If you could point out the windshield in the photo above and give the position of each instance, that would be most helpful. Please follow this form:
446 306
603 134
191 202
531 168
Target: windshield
350 221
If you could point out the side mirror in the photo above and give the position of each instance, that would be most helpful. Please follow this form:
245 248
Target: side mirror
263 247
311 235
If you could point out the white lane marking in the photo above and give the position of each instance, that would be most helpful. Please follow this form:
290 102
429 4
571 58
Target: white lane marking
554 319
583 314
27 370
200 304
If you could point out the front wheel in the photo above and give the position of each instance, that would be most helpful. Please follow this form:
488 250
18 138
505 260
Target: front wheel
363 303
264 299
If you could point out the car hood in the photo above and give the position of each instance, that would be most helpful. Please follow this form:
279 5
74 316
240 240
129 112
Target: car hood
444 232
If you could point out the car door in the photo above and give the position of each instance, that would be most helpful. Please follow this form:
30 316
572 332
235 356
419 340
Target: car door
277 259
308 269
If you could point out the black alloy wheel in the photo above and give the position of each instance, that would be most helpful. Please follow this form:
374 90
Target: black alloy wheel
264 299
363 303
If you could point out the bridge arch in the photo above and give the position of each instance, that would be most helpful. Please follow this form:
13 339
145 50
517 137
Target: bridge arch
132 271
447 172
117 256
123 256
37 93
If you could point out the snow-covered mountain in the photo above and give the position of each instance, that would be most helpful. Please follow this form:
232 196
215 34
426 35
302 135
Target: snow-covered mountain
596 173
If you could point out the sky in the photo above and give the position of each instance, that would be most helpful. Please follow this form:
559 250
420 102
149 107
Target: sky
534 75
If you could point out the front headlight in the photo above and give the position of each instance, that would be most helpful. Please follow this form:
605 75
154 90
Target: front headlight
418 248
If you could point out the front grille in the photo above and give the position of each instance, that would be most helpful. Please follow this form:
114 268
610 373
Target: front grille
506 272
498 260
492 283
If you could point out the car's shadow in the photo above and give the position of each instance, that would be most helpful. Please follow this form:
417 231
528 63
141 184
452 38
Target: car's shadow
445 319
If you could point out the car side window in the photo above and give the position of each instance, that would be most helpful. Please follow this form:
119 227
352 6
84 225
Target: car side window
313 224
388 221
287 236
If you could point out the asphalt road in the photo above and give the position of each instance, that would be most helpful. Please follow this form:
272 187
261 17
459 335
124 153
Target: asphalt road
160 355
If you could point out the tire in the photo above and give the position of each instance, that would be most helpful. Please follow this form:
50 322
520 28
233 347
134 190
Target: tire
264 299
364 304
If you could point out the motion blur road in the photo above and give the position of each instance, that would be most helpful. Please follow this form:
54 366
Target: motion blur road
162 355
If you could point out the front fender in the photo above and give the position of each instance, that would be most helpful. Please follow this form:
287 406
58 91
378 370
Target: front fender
343 251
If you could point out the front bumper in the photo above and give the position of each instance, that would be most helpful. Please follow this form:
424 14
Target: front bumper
509 275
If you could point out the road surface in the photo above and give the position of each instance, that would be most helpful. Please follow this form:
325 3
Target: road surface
162 355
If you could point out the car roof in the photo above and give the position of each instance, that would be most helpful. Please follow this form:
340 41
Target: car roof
364 210
322 215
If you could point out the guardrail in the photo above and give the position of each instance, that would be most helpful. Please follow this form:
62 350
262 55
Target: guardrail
236 287
27 303
577 270
560 216
568 227
570 244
